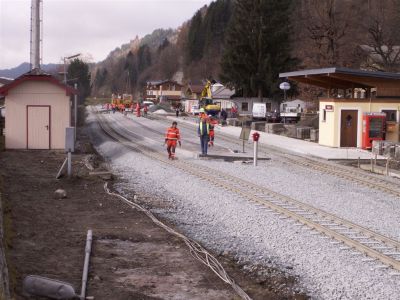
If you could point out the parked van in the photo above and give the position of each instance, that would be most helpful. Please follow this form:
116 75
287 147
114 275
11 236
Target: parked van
148 103
259 110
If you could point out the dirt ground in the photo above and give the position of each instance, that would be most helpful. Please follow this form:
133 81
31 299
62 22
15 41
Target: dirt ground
132 258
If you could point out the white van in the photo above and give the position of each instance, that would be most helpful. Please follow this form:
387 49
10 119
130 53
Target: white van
259 110
148 103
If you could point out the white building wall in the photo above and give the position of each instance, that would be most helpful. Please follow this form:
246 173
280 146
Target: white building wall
36 93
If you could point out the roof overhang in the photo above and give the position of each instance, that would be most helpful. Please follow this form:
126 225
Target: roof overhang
36 77
342 78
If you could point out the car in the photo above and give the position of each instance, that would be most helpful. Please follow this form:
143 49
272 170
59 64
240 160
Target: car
148 103
273 117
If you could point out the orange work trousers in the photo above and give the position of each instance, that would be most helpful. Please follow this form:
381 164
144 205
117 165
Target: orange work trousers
171 146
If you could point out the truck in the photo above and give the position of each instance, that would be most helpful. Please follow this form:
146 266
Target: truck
125 99
291 114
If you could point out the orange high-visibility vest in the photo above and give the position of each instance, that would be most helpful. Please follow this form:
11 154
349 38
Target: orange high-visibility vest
172 134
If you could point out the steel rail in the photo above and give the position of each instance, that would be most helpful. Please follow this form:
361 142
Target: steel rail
362 179
242 187
306 207
337 170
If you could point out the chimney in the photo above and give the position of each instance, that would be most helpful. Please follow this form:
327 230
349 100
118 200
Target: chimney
35 34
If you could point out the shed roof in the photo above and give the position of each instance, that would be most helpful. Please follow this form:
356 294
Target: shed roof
160 82
342 78
36 75
196 88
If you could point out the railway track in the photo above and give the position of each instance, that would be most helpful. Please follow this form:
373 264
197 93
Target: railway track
377 246
361 178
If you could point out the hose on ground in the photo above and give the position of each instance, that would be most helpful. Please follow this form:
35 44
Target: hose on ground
196 250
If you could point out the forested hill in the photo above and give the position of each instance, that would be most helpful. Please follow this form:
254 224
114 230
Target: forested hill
246 43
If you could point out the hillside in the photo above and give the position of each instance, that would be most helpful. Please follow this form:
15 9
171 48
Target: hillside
245 44
25 67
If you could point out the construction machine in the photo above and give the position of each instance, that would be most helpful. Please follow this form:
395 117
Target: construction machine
206 101
125 99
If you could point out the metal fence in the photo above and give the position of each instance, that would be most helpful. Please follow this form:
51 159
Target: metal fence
388 149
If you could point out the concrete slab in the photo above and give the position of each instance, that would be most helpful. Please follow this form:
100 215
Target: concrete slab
232 157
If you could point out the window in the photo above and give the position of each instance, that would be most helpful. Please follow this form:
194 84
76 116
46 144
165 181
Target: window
245 106
324 115
391 115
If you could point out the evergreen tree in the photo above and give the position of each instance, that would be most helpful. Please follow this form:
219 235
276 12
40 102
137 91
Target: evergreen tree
78 71
257 47
144 58
131 72
195 43
100 79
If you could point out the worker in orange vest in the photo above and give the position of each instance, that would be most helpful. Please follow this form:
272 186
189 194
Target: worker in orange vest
138 109
202 114
171 137
213 123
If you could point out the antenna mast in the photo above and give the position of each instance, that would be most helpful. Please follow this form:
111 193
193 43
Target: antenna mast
35 34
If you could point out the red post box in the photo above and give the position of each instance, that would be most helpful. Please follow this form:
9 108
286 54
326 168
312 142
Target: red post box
256 136
373 128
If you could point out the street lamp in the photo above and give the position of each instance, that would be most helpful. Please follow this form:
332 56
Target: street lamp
65 59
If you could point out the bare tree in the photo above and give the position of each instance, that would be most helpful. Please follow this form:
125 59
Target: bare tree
382 25
325 30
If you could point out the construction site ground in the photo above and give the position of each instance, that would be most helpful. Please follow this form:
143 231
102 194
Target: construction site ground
132 258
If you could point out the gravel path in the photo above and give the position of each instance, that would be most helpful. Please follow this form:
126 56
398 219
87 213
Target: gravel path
229 224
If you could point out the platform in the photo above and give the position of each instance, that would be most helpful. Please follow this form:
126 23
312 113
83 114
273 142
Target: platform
293 145
232 157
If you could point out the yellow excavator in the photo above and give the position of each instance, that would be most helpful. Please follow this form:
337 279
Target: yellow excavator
206 102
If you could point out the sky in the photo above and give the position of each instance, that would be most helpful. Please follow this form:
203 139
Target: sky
91 27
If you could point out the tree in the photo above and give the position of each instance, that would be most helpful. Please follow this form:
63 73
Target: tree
143 58
382 24
326 32
195 42
257 47
131 72
78 71
99 80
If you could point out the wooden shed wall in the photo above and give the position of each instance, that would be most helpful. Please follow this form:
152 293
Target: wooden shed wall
36 93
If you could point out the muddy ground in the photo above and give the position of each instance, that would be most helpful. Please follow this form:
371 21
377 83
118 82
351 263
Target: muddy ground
132 258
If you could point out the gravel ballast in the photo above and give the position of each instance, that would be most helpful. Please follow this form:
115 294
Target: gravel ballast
229 224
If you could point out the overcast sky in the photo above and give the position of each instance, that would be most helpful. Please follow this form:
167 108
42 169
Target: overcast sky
95 27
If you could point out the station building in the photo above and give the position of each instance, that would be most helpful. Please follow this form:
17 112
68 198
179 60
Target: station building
351 96
38 110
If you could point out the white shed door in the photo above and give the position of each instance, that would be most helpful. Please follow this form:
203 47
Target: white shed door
38 127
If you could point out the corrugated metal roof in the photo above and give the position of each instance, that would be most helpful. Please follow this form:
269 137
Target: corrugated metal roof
336 70
342 78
